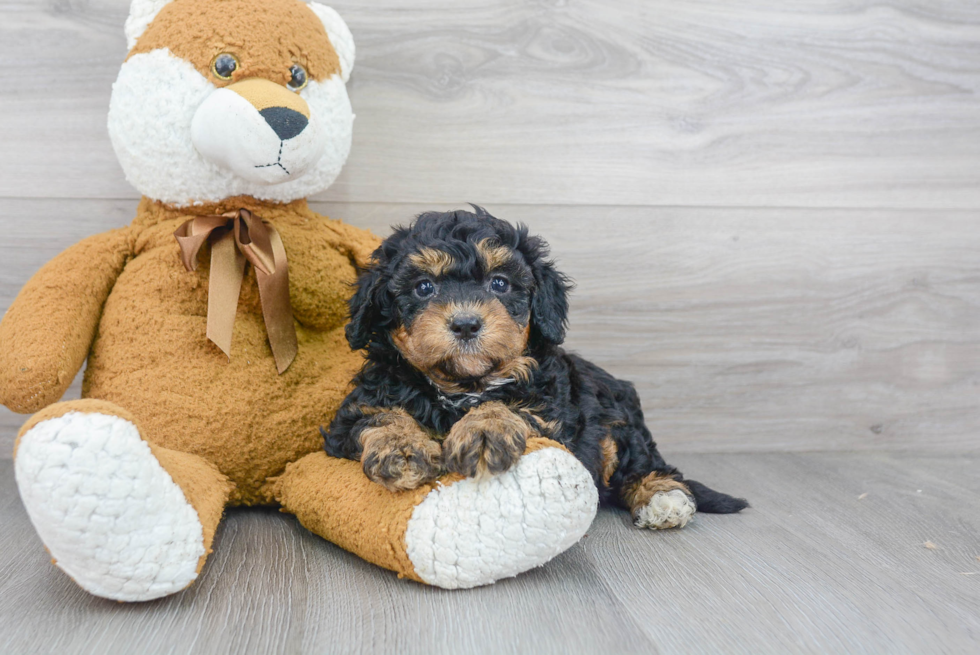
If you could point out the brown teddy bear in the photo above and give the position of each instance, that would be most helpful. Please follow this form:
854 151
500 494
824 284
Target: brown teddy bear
213 330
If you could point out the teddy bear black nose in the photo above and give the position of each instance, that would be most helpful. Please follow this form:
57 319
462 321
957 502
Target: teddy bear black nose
286 122
466 326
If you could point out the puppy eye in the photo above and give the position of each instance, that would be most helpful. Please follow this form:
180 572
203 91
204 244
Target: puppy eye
298 79
224 65
424 289
499 284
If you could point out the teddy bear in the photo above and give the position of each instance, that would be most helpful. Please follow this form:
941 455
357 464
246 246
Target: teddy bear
213 331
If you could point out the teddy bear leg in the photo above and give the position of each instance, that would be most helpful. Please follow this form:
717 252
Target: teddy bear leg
125 519
455 532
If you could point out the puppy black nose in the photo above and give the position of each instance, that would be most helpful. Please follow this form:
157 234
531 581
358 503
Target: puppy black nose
466 326
285 122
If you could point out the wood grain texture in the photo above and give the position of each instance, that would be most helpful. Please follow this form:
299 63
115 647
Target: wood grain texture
743 330
614 102
810 568
692 164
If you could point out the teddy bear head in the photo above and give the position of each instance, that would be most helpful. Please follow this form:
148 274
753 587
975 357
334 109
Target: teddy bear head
223 98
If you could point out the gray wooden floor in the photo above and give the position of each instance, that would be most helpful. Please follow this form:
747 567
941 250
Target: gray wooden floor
812 567
772 213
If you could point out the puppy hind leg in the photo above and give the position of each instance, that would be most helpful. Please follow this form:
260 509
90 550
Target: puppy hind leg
657 494
633 472
663 499
659 501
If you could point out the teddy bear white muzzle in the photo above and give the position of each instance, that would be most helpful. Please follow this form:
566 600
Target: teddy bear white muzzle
259 130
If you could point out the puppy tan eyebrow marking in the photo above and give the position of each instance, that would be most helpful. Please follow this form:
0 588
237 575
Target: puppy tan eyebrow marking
432 261
493 254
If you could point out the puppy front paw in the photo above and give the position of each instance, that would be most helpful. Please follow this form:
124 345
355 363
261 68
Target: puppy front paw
489 439
399 455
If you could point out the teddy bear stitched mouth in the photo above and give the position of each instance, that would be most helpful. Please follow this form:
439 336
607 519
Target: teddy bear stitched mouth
278 161
286 123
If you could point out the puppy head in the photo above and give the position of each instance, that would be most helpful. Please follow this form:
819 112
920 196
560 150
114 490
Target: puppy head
232 97
462 296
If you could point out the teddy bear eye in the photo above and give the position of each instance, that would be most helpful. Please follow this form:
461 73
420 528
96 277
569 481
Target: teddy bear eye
224 65
424 289
298 79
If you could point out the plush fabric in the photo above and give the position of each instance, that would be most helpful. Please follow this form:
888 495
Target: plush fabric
108 512
167 81
64 298
455 532
127 486
195 31
151 358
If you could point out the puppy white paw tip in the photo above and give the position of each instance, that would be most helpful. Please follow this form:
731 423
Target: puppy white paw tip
111 516
667 509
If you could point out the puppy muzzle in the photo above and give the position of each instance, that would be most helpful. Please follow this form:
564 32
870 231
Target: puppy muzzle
259 130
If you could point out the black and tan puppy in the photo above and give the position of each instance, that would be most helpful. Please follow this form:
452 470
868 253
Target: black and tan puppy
462 315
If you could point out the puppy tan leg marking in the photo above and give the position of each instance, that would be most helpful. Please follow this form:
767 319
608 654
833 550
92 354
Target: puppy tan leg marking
610 459
659 502
547 429
489 439
397 453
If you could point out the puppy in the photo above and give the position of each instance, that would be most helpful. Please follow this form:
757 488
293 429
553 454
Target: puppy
463 315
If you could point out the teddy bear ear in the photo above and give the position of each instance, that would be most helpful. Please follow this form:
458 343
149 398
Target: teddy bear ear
340 37
141 14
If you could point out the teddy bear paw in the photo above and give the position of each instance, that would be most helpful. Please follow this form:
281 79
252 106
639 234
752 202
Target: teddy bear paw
112 518
479 530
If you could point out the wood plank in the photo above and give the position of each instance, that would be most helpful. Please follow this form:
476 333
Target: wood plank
744 330
273 587
590 102
810 568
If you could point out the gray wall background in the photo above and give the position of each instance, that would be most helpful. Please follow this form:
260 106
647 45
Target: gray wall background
770 209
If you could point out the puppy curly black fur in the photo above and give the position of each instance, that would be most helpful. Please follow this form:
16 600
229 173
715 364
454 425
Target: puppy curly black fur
462 315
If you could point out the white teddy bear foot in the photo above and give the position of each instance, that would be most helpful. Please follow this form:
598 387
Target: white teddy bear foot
476 531
666 509
110 515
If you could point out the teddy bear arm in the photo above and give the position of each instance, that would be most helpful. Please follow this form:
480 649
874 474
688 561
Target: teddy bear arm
46 333
356 243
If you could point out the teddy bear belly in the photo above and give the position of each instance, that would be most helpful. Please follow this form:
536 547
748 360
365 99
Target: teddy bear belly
238 413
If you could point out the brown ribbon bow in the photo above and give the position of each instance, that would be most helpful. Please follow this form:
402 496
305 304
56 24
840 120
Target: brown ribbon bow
237 238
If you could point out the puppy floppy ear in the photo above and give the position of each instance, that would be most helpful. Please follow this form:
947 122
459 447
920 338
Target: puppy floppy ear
366 306
549 303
